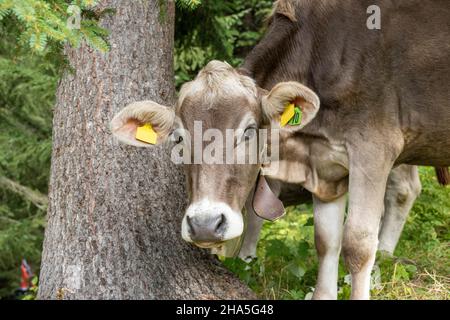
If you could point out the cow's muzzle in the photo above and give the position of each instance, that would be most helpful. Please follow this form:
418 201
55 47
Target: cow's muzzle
209 229
208 224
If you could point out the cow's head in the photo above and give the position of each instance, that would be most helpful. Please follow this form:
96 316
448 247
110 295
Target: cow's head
219 98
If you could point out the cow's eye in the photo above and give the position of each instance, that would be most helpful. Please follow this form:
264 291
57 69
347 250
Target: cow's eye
249 133
177 137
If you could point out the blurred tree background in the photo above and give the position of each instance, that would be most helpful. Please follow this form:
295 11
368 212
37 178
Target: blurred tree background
32 34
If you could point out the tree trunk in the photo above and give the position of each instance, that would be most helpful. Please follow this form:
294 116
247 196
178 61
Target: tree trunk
115 211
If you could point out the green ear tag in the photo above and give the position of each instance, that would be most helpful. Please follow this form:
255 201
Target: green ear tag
297 118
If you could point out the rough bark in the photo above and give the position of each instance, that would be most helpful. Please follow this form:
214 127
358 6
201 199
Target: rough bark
115 211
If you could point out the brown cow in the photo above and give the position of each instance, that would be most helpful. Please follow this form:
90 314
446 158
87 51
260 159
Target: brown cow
384 102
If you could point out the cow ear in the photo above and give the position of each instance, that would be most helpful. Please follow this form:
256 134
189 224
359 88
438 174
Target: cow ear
143 124
291 105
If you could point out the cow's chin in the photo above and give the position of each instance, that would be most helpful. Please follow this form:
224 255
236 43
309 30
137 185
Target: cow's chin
228 249
209 245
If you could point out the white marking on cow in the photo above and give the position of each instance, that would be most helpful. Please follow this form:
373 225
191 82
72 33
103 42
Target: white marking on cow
205 207
328 227
247 251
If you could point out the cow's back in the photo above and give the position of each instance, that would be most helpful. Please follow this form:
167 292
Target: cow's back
419 46
395 78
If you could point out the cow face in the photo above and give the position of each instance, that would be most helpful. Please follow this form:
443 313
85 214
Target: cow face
219 103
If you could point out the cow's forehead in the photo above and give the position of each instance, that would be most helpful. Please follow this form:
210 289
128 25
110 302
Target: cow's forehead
222 113
218 95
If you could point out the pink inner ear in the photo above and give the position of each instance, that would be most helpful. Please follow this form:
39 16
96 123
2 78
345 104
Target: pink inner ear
128 130
302 103
298 101
307 107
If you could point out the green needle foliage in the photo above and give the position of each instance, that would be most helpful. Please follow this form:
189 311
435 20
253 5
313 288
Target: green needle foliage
54 21
221 30
27 88
188 4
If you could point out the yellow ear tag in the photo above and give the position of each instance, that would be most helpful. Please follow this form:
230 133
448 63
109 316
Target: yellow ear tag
287 115
146 134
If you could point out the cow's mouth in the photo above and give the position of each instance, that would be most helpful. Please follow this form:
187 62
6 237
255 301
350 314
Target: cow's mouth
209 245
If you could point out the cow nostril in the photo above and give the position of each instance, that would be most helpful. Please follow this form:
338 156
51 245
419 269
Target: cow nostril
220 222
207 229
191 227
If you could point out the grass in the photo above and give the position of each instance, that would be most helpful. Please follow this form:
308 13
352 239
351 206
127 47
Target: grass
286 267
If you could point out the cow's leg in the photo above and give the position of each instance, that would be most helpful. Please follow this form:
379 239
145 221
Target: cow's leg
251 236
254 224
368 173
403 187
328 225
